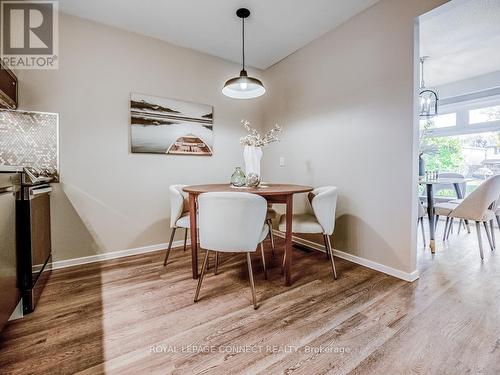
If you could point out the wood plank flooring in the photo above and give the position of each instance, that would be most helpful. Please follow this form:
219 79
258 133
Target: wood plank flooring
132 316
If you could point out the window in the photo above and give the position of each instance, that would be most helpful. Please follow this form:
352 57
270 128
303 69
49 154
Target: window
443 121
464 138
476 156
440 121
465 116
487 114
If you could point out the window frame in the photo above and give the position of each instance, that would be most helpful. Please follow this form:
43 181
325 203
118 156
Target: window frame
461 107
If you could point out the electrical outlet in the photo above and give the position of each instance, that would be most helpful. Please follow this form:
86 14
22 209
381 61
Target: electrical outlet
282 161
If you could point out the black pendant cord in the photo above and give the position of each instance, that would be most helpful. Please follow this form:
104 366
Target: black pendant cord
422 82
243 86
243 39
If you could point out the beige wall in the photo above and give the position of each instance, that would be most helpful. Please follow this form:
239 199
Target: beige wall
110 199
346 102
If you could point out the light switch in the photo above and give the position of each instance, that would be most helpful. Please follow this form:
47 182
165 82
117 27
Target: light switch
282 161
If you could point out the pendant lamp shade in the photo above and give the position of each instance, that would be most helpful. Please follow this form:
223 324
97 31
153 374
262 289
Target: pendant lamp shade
428 104
428 98
243 87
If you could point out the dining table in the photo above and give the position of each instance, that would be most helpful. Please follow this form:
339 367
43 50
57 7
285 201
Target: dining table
429 183
272 192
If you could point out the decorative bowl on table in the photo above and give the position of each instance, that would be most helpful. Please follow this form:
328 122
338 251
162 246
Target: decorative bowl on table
253 180
238 178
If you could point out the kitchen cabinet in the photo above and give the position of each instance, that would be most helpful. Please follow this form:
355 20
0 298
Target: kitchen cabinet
8 88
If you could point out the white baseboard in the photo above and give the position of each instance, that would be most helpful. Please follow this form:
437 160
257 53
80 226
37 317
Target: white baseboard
112 255
309 244
355 259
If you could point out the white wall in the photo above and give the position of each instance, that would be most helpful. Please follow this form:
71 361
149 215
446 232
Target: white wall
110 199
346 102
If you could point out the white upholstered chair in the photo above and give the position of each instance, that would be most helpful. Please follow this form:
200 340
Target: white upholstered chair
179 215
421 215
231 223
480 206
324 203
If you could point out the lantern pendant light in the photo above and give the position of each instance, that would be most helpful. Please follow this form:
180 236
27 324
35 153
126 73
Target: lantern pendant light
243 87
428 105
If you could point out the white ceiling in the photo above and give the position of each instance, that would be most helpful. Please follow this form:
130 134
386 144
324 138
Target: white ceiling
462 39
275 29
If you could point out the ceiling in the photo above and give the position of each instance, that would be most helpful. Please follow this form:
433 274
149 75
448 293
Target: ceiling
462 39
274 30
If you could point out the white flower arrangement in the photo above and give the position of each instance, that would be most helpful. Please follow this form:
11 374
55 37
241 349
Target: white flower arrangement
253 138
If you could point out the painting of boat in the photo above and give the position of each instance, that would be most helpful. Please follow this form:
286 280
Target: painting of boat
189 144
168 126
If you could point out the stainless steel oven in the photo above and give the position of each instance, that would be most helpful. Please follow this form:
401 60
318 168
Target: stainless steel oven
34 241
9 292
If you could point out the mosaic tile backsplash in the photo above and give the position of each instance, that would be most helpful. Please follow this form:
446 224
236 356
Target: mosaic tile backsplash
29 139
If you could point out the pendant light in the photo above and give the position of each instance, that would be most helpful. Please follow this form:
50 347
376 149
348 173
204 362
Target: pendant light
243 87
428 98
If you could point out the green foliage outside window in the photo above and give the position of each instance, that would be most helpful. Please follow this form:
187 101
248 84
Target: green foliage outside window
447 157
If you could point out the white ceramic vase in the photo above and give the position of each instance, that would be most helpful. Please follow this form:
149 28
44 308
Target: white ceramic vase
252 156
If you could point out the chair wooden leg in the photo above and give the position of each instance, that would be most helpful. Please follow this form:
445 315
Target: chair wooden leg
252 285
185 237
422 228
492 233
216 266
326 247
329 251
479 240
331 258
271 235
467 225
446 228
487 230
263 260
459 226
498 221
169 246
200 280
450 228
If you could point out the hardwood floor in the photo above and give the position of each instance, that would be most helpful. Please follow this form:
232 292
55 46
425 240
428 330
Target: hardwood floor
130 316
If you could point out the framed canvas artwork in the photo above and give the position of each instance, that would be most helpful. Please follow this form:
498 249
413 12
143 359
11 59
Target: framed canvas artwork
168 126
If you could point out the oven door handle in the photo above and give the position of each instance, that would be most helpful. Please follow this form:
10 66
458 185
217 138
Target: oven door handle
36 192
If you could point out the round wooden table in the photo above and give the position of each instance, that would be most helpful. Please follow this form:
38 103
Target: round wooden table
273 193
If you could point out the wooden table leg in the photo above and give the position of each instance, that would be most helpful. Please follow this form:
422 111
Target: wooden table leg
194 235
430 212
288 240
